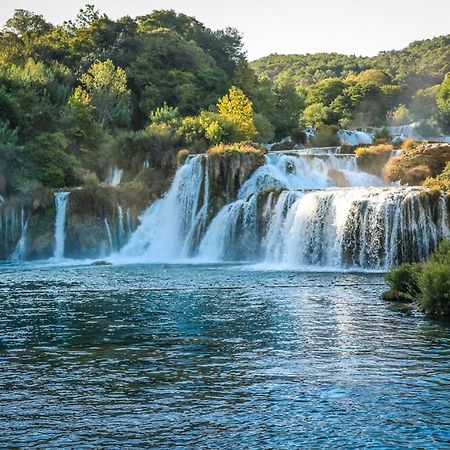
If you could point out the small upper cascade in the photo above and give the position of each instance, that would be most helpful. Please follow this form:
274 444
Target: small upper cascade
355 137
297 170
61 200
417 131
115 175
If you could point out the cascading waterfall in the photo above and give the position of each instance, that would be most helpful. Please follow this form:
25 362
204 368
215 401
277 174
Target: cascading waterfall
12 228
368 228
172 225
355 137
120 226
61 200
300 209
114 177
21 247
108 232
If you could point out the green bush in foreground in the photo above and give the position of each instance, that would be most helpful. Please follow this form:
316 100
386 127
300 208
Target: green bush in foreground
435 289
428 284
403 282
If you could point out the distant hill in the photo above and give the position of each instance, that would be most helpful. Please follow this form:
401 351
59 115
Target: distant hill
422 63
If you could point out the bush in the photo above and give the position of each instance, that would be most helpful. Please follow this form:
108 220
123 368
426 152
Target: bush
403 282
417 163
182 155
435 289
326 136
428 284
382 136
243 147
373 158
409 144
442 254
441 182
165 115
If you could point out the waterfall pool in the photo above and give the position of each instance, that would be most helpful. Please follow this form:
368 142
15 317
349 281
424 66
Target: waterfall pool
215 356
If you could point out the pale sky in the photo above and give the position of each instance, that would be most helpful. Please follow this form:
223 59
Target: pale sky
362 27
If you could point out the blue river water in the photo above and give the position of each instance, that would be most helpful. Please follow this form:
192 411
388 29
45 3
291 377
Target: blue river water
178 356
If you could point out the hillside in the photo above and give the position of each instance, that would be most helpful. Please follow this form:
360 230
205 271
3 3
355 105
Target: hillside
428 59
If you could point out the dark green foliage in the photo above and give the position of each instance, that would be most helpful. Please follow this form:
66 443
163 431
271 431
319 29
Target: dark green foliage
434 283
361 92
428 284
77 96
422 62
68 93
404 282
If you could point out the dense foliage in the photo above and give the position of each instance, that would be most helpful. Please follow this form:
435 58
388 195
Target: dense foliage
400 86
428 284
77 98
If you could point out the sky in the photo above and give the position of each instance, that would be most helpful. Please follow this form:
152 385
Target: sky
361 27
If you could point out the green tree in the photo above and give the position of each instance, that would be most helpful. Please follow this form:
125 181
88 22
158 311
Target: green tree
317 114
237 108
165 114
106 88
401 116
325 91
443 102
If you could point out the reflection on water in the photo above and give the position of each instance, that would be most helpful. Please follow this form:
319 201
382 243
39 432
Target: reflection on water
215 357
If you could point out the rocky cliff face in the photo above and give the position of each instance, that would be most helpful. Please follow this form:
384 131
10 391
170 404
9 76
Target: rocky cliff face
227 173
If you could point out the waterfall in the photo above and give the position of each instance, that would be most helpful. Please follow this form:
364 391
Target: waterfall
12 223
129 226
355 137
120 226
20 251
301 209
108 232
171 226
114 177
61 199
295 170
368 228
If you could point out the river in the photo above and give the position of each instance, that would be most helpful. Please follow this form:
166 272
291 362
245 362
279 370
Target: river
215 356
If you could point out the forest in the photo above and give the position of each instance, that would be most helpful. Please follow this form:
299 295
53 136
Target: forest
78 96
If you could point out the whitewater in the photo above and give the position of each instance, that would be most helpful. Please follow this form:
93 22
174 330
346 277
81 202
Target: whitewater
302 209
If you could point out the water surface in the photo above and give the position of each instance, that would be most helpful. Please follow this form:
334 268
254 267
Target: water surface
215 357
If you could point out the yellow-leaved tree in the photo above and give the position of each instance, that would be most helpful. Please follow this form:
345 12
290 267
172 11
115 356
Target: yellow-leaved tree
237 108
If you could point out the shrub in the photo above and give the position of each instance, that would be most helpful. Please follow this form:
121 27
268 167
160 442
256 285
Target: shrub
403 282
190 130
428 284
409 144
373 158
434 284
441 182
243 147
442 254
382 136
326 136
182 155
165 114
417 163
